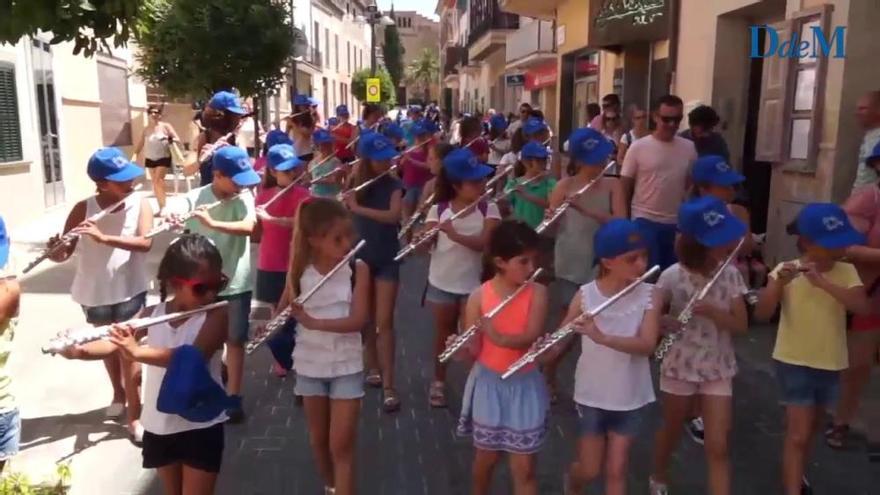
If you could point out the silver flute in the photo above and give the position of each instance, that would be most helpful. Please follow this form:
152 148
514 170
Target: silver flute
433 231
684 317
560 210
465 337
526 182
281 318
69 237
367 183
208 154
416 216
84 335
560 334
166 226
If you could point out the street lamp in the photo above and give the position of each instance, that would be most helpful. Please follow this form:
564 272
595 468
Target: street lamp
374 17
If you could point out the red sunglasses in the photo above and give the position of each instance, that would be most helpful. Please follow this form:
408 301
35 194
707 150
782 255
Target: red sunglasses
202 287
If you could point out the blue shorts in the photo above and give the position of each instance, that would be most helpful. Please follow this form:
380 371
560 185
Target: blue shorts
389 271
805 386
660 238
239 310
114 313
412 195
440 296
593 421
10 433
340 387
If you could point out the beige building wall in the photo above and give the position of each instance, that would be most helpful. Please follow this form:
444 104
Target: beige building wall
417 33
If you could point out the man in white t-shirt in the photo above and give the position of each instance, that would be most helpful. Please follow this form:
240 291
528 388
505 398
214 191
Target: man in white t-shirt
525 111
655 174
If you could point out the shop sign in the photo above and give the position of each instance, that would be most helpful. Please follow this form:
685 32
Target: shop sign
541 77
515 79
617 22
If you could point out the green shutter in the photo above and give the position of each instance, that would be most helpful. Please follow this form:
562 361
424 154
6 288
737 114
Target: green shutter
10 131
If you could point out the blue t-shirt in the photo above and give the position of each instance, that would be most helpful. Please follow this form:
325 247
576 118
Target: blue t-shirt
382 244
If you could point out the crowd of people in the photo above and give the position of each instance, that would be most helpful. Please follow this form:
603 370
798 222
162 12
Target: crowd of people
490 202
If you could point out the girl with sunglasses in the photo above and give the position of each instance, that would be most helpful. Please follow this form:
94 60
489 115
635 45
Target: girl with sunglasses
185 453
328 357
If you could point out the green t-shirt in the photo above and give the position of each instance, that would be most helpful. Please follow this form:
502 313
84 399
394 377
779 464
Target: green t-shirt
325 190
235 249
524 209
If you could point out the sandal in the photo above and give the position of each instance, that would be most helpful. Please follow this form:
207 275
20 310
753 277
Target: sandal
437 394
374 378
390 403
835 436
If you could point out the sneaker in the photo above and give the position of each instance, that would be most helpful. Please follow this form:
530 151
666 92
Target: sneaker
657 488
136 433
236 412
696 430
114 410
278 370
806 489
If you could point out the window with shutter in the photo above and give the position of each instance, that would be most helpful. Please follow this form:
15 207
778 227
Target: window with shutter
115 111
10 126
774 99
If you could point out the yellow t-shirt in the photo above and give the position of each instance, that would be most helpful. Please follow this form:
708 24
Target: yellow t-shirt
812 326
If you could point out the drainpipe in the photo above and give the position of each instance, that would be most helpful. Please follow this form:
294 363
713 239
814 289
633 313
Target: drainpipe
674 10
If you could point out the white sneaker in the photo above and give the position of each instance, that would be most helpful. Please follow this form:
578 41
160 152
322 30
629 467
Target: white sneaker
136 430
657 488
114 410
697 430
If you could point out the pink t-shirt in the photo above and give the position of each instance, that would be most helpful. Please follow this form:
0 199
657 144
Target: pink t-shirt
413 175
274 255
660 170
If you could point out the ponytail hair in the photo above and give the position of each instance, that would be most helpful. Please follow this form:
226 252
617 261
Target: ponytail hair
444 187
314 218
510 239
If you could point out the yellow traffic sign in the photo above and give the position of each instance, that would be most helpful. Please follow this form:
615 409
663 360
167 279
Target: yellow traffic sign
373 91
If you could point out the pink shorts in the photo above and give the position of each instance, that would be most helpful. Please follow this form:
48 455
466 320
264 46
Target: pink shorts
722 387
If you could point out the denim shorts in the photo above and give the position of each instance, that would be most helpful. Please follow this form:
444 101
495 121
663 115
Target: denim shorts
239 310
114 313
10 433
594 421
412 194
805 386
660 238
440 296
339 387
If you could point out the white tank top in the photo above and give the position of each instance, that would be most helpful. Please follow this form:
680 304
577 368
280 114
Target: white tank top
105 274
320 354
156 145
166 336
606 378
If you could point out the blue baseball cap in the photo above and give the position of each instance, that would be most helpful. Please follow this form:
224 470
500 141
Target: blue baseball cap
827 225
188 390
589 147
226 101
533 126
873 155
282 157
313 102
4 244
342 111
534 150
302 100
462 164
708 220
415 108
112 164
233 162
616 237
498 122
375 146
321 136
420 128
714 169
277 137
332 122
392 131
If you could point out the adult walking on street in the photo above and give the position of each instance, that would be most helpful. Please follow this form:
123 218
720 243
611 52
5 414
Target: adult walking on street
155 142
525 111
655 177
639 129
701 130
868 115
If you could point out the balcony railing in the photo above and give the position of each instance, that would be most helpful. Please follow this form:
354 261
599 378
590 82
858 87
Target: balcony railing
532 38
486 15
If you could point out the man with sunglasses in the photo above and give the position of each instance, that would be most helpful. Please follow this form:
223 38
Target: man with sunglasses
525 111
610 108
655 176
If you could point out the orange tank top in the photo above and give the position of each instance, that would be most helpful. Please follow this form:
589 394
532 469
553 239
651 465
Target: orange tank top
512 320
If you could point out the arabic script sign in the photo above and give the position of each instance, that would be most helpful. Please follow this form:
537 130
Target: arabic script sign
617 22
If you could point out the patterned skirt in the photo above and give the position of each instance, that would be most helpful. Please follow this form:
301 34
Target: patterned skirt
505 415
